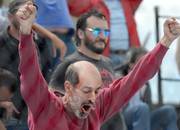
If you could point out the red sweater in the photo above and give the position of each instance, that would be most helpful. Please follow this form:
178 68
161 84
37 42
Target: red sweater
46 111
129 7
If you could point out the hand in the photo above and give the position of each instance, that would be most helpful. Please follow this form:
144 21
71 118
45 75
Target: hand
171 31
63 52
26 15
9 107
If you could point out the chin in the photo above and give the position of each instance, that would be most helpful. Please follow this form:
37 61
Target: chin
100 47
100 51
81 115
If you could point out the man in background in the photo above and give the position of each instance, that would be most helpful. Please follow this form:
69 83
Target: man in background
121 21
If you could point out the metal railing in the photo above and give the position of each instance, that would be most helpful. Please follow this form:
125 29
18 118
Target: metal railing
160 78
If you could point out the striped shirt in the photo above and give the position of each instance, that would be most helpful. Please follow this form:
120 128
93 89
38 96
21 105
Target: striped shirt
53 14
47 112
119 38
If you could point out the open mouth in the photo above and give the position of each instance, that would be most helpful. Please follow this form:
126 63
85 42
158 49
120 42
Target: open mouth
86 108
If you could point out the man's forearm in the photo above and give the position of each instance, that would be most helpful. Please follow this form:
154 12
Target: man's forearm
165 41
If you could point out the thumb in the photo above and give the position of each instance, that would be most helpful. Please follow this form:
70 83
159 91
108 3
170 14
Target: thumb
61 57
63 53
15 110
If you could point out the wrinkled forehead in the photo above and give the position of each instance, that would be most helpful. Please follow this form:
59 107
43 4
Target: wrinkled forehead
90 80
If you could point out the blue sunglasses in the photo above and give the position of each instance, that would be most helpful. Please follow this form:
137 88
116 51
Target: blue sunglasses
97 31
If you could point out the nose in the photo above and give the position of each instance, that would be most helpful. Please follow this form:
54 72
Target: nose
93 97
101 35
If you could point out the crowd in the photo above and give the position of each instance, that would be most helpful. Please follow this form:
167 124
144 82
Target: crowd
59 74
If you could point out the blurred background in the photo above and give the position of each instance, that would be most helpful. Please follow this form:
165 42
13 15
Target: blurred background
146 25
165 85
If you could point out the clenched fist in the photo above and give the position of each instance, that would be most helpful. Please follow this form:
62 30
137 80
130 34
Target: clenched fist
26 15
171 31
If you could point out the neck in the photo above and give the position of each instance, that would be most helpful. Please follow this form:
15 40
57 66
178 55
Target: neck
14 32
89 53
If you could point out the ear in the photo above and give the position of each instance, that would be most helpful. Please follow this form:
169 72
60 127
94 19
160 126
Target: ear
80 34
68 87
10 17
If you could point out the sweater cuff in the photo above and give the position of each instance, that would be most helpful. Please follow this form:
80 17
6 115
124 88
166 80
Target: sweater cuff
24 37
161 48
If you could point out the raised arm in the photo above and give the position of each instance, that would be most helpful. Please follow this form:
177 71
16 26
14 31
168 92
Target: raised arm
120 91
33 86
55 40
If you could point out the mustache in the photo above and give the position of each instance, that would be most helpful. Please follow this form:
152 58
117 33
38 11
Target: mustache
101 40
89 103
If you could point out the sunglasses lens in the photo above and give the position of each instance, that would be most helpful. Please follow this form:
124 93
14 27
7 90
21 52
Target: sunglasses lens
96 32
106 33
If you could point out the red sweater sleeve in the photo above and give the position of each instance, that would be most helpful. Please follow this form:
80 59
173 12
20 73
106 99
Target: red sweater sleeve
120 91
34 88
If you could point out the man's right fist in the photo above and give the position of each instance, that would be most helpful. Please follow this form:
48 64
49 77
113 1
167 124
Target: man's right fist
26 15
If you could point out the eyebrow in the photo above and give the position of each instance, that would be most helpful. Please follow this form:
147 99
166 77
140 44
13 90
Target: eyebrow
90 87
98 28
99 87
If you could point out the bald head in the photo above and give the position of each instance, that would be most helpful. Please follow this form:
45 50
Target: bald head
82 70
82 84
85 66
